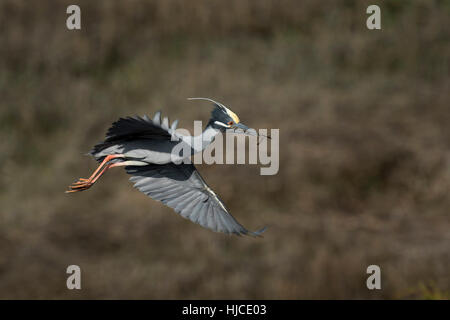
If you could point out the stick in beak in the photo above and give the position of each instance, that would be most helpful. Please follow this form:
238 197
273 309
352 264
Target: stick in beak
247 131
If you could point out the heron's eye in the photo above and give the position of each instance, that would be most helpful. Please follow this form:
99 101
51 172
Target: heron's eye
230 123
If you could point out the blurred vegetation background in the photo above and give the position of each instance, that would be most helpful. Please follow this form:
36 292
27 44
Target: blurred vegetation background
364 154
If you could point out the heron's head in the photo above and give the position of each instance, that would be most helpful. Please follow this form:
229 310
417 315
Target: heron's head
223 118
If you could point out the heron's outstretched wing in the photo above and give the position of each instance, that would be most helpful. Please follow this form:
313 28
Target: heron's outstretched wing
182 188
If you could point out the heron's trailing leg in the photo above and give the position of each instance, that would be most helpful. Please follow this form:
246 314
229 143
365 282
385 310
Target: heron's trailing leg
83 184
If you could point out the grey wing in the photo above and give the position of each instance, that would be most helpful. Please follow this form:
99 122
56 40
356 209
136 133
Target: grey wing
182 188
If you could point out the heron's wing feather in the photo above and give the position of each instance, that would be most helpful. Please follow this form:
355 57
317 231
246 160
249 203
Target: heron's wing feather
182 188
133 128
139 128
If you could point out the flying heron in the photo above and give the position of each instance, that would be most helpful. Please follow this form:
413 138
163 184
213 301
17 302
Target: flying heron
145 147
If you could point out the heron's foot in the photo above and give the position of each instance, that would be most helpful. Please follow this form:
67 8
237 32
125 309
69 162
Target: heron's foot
81 185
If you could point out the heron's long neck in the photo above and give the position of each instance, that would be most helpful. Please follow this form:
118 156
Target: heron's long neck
200 142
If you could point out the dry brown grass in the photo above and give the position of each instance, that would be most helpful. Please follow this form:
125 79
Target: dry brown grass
364 169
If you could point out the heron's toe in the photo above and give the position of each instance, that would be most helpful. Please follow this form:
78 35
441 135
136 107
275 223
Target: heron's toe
80 185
